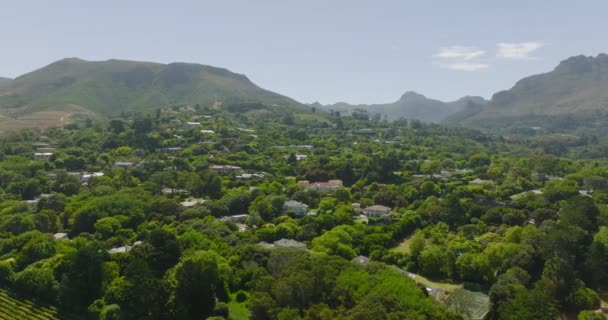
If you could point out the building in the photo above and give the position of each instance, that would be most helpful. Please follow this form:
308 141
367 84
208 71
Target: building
300 209
192 124
60 236
204 131
289 243
321 187
42 155
237 218
175 122
248 176
192 202
85 177
519 195
377 211
169 150
361 260
480 182
123 164
299 157
225 169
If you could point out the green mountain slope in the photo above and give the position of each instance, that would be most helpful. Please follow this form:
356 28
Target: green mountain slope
411 105
576 89
109 87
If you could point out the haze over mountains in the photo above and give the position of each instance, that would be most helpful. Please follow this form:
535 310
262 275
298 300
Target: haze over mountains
577 87
411 105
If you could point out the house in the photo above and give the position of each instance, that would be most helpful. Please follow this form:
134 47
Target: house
204 131
175 122
192 202
225 169
289 243
377 211
85 177
172 191
364 131
237 218
123 164
519 195
192 124
122 249
300 209
480 182
125 248
321 187
248 176
361 260
168 150
299 157
60 236
42 155
46 149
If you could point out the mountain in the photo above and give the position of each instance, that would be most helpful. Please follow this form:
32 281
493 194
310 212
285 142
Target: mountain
411 105
5 81
109 87
577 89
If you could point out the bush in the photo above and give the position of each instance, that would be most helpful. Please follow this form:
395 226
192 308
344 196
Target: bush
241 296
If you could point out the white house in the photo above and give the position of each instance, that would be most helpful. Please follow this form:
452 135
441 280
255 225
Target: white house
377 211
42 155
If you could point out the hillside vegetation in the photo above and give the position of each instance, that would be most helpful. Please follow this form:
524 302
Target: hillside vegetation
113 86
574 94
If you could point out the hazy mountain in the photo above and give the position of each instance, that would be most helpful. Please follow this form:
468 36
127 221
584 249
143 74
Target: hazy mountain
411 105
108 87
5 81
577 88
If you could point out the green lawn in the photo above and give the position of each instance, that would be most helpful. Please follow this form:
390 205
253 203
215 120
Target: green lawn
238 310
404 246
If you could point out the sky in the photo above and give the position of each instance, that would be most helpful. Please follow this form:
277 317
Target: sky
357 51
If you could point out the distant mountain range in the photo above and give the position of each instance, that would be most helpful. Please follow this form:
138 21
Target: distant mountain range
576 91
109 87
411 105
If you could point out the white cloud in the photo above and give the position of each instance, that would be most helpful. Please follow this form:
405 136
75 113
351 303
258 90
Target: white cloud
459 52
467 66
517 51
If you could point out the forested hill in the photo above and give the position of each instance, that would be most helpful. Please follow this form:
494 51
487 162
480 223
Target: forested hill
411 105
112 86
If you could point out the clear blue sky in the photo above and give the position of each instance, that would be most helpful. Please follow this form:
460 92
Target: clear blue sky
327 50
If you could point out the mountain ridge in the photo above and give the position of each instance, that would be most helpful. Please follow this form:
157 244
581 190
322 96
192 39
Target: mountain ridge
411 105
577 87
112 86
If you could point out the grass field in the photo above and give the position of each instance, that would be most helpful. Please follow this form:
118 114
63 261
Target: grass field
238 310
25 118
13 308
404 246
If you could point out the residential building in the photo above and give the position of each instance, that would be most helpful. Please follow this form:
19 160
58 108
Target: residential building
237 218
289 243
123 164
225 169
192 202
300 209
377 211
60 236
480 182
321 187
192 124
42 155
